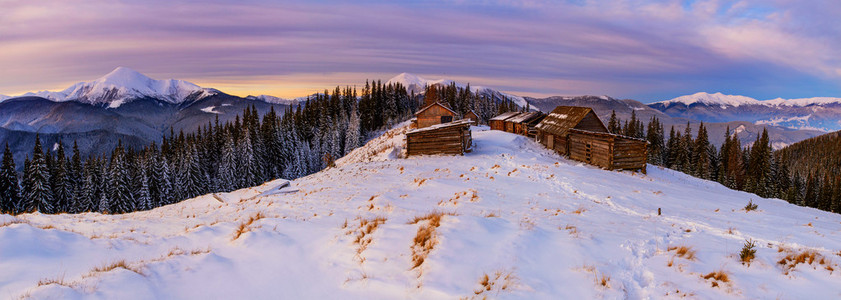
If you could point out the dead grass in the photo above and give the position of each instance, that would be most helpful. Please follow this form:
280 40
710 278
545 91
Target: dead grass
120 264
59 280
684 252
500 281
491 215
717 276
806 257
245 226
363 232
579 211
426 238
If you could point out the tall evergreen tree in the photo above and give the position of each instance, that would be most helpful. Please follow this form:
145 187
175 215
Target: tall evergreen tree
9 186
39 195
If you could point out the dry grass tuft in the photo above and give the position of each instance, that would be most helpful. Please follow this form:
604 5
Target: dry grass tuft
807 257
580 210
717 276
426 238
491 215
120 264
684 252
245 226
59 280
498 282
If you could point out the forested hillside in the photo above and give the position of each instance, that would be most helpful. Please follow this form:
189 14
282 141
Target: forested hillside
804 174
219 157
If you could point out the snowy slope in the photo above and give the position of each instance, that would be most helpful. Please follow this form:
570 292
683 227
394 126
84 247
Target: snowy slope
417 84
518 223
277 100
736 101
124 84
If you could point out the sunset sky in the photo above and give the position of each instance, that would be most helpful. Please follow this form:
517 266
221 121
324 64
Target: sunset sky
644 50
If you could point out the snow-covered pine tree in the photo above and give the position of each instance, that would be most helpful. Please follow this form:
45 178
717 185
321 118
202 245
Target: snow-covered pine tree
39 195
9 186
62 188
226 178
119 183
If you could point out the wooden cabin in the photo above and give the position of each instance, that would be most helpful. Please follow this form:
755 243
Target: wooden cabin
552 131
520 122
452 138
498 122
472 116
433 114
531 126
607 150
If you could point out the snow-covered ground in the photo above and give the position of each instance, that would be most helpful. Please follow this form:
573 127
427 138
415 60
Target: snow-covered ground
510 220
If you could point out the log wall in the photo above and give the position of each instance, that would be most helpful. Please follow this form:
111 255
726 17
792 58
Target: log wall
453 140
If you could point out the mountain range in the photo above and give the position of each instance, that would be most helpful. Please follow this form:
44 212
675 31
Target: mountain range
127 106
123 105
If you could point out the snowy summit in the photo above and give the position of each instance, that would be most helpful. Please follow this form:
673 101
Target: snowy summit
511 220
124 84
719 99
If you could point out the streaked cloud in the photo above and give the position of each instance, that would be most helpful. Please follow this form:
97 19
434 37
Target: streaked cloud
647 50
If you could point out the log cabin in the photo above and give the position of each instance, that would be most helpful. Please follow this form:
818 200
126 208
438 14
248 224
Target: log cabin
472 116
452 138
498 122
520 123
607 150
433 114
553 130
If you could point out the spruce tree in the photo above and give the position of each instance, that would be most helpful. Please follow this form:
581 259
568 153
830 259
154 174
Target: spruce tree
9 186
39 195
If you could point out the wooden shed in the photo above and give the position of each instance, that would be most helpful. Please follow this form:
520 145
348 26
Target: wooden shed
498 122
520 123
435 113
449 138
472 116
607 150
552 131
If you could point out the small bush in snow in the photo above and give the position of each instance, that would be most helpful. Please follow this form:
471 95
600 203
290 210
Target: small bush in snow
748 252
751 206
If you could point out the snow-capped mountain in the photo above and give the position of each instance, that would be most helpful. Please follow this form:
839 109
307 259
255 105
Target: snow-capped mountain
278 100
822 113
4 97
416 84
123 85
510 220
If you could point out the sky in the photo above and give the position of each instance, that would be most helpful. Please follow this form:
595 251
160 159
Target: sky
644 50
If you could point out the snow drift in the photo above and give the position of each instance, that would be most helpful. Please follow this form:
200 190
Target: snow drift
509 220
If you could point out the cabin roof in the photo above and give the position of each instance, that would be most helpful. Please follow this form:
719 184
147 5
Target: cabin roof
524 117
433 104
462 122
564 118
607 134
504 116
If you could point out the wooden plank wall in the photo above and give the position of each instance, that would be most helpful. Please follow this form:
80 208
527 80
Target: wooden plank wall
592 149
497 125
454 140
432 116
630 154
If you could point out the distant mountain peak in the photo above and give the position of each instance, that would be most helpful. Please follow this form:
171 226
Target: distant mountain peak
719 99
125 84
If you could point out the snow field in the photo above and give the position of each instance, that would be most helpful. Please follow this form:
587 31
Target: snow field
509 220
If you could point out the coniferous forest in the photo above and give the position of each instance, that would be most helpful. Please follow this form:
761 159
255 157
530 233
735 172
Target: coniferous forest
219 157
790 173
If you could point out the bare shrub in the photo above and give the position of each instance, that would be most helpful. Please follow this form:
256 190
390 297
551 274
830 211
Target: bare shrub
751 206
245 226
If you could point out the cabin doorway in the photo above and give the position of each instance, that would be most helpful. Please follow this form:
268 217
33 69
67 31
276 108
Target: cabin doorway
550 141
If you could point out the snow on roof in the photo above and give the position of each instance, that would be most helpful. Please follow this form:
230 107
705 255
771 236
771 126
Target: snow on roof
563 118
461 122
504 116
